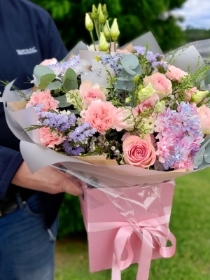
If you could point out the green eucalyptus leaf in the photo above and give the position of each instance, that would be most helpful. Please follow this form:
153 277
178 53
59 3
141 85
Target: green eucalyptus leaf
202 157
198 159
62 101
122 79
205 87
124 85
54 85
207 153
45 80
69 80
129 71
207 78
40 71
130 60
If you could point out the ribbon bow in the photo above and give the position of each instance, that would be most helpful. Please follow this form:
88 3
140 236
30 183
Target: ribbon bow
149 230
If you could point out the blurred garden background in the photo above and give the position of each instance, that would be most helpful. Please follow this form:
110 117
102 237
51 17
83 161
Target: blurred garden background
190 220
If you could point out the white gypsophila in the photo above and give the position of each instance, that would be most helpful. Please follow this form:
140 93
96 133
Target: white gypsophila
148 124
64 112
79 121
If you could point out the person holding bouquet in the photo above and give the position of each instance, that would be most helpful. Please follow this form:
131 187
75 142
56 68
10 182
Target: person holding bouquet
29 203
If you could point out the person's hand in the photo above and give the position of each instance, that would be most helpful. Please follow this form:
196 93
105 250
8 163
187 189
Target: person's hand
47 179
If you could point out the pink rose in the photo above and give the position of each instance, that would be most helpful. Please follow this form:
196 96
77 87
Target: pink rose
139 152
50 139
160 83
175 74
188 93
204 115
49 61
44 98
90 92
148 103
100 115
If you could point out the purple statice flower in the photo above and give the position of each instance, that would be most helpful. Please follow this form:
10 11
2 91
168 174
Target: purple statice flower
61 122
151 57
112 61
179 136
39 108
60 68
155 59
81 133
140 50
72 150
159 65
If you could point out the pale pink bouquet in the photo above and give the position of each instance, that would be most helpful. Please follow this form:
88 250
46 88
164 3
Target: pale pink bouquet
126 123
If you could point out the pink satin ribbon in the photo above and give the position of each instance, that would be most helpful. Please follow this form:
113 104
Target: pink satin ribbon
149 230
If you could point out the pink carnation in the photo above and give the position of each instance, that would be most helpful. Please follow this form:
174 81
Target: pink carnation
175 74
139 152
44 98
160 84
100 115
90 92
50 139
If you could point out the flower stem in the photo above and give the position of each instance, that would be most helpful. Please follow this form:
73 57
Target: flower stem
91 35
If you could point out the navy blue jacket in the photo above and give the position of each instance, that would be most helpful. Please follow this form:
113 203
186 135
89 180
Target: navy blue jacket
28 35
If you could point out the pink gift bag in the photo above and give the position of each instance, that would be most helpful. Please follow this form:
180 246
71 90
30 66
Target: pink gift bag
128 225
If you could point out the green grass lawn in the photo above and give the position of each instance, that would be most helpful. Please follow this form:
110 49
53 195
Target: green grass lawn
190 223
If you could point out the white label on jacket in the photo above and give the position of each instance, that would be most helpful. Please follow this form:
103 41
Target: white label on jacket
27 51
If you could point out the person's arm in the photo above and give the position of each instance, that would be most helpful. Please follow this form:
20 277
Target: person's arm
47 179
14 170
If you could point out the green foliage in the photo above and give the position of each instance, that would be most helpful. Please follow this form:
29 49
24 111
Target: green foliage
62 101
192 34
129 69
207 78
44 76
69 80
70 217
46 79
134 19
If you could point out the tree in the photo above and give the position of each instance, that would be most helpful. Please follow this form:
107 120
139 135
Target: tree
134 18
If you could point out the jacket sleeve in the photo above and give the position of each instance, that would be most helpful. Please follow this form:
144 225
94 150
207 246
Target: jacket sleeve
10 160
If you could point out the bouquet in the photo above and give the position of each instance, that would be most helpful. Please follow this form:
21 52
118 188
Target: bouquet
126 122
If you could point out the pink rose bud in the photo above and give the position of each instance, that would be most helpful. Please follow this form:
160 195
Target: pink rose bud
159 82
175 74
204 115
